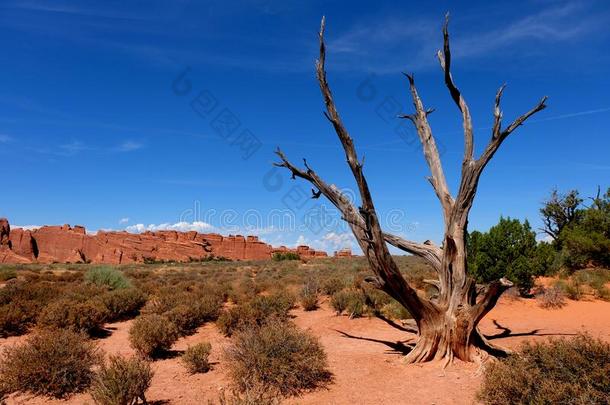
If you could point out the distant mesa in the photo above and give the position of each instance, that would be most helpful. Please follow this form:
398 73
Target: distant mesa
72 244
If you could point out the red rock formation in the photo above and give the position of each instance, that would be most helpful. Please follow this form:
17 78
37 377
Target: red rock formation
343 253
66 244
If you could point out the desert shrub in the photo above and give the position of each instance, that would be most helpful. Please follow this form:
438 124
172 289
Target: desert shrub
87 316
281 256
394 310
7 274
257 396
52 362
151 335
277 356
123 303
196 358
339 301
17 317
332 285
107 276
309 294
253 313
188 317
121 381
551 298
562 371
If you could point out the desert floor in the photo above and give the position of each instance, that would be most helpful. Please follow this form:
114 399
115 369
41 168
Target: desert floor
364 356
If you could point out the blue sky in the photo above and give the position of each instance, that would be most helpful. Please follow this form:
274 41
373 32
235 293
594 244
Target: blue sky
98 128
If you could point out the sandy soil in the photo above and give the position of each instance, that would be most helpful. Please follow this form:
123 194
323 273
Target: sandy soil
364 356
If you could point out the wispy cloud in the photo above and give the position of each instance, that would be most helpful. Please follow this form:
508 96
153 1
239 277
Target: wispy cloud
5 138
72 148
129 146
393 44
123 221
198 226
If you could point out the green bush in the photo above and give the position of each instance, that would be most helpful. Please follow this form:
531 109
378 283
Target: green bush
509 250
332 285
107 276
196 358
52 362
281 256
562 371
339 301
151 335
123 303
88 316
121 381
277 356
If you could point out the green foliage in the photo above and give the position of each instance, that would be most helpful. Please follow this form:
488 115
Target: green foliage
509 250
332 284
88 316
52 362
108 277
563 371
121 381
581 233
281 256
277 356
196 358
151 335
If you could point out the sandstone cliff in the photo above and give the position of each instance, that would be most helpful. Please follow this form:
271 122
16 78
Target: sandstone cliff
67 244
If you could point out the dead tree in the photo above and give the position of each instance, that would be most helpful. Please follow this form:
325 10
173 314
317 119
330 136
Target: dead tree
447 325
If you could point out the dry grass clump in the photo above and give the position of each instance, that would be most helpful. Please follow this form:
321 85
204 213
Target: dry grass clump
152 335
310 294
52 362
277 356
562 371
551 298
88 316
196 358
121 381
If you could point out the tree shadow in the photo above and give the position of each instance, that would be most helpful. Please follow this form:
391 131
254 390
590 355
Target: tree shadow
395 325
101 333
167 354
507 332
398 347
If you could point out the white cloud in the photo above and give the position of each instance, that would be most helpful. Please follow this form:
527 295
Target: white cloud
73 148
5 138
27 227
198 226
129 146
330 242
123 221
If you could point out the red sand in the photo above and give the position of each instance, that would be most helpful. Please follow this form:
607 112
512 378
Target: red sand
367 370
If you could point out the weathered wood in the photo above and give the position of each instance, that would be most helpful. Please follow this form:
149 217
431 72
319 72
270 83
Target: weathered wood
447 326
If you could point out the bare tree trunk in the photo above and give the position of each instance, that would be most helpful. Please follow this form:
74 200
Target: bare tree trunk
447 325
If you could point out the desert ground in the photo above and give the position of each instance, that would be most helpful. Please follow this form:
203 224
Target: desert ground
365 355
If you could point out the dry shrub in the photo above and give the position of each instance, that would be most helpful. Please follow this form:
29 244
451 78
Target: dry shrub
551 298
87 316
152 335
52 362
351 301
121 381
332 285
123 303
17 317
196 358
339 301
249 397
254 313
562 371
277 356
